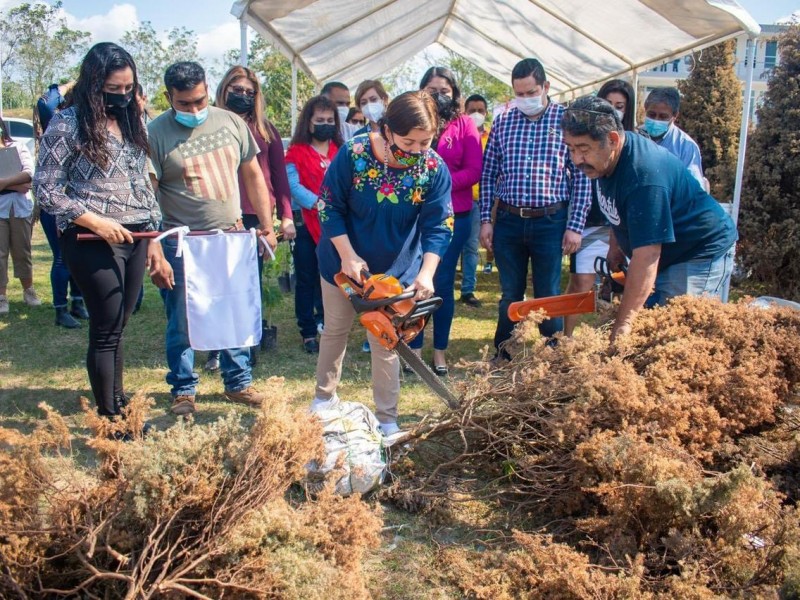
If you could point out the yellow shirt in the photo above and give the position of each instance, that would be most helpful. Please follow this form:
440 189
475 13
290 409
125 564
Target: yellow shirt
484 139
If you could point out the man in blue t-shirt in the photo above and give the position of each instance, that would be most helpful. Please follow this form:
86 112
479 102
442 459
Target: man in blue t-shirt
678 238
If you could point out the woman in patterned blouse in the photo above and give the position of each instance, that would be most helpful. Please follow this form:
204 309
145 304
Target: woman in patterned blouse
384 207
92 176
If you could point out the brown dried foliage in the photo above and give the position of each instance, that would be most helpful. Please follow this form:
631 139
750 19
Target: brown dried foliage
632 456
193 511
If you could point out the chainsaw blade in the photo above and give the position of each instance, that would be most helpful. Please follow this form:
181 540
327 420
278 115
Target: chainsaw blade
431 379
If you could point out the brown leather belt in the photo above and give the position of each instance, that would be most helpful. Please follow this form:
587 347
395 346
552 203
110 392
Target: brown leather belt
531 213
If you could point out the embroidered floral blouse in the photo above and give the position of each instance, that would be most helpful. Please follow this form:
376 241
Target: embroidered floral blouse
392 216
67 184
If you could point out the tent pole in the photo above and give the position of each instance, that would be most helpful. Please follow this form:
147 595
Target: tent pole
750 65
294 95
242 42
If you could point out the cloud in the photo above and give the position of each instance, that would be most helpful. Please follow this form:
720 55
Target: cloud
108 27
792 18
213 44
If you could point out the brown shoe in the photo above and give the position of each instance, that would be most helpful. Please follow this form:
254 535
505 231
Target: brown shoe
182 405
248 396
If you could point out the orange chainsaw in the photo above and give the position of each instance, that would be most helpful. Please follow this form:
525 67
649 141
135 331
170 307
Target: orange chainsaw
574 304
395 318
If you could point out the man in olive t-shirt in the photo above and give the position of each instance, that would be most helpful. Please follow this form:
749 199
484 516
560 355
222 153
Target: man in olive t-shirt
197 152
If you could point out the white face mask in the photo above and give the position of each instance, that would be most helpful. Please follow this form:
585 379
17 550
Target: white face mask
342 110
620 114
477 118
530 107
373 111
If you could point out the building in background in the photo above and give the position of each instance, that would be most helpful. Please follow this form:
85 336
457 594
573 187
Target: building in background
766 58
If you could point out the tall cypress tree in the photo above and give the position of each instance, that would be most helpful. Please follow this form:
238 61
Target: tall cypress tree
711 112
769 224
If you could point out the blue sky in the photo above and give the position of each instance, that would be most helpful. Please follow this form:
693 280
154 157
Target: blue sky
218 30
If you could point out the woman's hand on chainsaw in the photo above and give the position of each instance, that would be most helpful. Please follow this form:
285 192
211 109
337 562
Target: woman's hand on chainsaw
423 283
354 267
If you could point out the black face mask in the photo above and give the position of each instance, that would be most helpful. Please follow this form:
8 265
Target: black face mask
444 104
323 132
241 104
116 104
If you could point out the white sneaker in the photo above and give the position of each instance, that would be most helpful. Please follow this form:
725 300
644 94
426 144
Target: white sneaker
324 404
3 305
391 433
31 297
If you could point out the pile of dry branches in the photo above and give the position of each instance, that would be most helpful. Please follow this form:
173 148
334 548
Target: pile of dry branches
194 511
666 465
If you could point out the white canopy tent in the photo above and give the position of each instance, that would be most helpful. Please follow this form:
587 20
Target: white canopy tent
581 43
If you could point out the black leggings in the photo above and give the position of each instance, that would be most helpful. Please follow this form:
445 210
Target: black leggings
110 277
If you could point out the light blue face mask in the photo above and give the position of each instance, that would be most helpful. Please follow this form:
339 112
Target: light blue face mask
654 128
188 119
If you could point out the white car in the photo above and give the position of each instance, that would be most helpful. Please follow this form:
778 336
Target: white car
21 130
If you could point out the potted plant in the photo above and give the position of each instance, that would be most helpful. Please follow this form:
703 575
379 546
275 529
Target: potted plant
271 297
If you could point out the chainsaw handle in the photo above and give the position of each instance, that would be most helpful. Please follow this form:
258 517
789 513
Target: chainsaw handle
362 305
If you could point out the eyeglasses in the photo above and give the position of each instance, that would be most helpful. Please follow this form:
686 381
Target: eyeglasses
586 115
358 122
242 91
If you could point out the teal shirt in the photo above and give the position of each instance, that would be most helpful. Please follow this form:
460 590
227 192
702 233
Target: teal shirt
651 198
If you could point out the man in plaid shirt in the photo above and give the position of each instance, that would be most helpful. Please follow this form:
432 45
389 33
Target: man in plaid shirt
542 200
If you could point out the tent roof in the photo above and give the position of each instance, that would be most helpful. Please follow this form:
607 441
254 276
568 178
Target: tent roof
580 42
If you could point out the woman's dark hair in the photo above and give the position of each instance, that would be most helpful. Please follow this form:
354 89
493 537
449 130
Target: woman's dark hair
302 135
6 136
100 62
621 86
352 112
410 110
455 107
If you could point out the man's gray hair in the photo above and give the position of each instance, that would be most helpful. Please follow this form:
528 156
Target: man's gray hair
592 116
665 95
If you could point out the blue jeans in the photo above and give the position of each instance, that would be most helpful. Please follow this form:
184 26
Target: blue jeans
694 278
444 282
60 279
517 241
307 291
234 362
470 256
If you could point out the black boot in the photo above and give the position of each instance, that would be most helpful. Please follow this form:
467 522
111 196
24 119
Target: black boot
78 309
65 319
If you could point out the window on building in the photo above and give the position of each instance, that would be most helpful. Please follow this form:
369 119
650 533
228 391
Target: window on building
770 54
675 64
663 67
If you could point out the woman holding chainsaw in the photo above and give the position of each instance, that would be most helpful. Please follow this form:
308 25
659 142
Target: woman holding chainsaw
384 207
92 177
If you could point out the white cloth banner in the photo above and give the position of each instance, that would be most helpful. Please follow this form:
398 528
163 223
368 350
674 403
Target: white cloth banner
223 300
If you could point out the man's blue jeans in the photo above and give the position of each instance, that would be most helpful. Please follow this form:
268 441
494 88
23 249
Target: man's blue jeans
234 363
470 256
516 241
694 278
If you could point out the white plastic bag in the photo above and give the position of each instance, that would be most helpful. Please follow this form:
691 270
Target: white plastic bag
352 438
223 299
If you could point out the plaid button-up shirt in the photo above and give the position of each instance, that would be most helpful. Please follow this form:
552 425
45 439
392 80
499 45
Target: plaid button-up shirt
526 164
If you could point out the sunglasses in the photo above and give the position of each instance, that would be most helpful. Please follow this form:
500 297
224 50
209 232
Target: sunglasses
242 91
586 115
